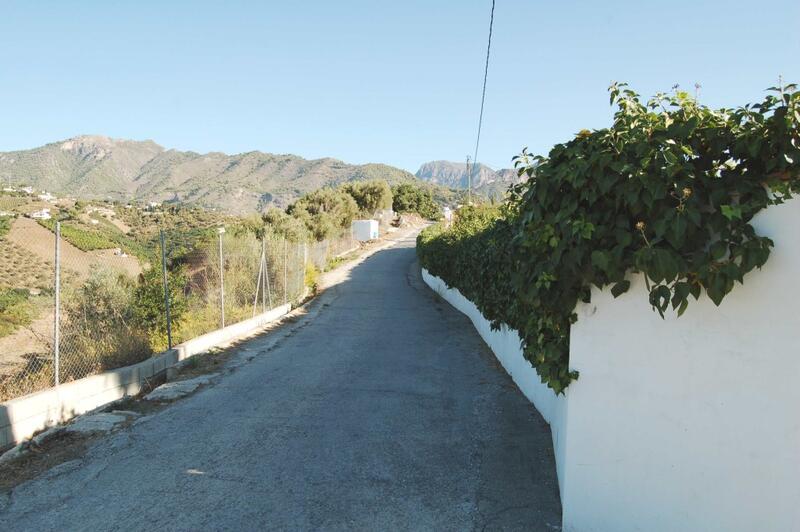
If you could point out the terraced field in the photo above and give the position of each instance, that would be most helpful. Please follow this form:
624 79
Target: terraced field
40 241
27 265
21 268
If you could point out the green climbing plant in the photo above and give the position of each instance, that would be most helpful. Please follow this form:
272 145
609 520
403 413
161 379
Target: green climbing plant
669 190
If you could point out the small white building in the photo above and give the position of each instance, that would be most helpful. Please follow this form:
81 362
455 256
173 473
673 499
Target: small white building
27 190
448 214
47 197
364 230
44 214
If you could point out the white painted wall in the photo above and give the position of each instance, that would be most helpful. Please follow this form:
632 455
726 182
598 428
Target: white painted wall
690 423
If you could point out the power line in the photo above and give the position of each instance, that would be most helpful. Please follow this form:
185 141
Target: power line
483 100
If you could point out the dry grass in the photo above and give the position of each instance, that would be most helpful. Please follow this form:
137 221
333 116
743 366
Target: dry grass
36 374
19 268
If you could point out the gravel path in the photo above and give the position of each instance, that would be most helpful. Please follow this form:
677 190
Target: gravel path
382 409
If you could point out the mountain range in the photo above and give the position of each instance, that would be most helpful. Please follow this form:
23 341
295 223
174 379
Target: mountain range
485 181
105 168
98 167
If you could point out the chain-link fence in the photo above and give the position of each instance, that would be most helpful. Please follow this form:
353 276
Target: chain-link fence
320 253
77 313
232 278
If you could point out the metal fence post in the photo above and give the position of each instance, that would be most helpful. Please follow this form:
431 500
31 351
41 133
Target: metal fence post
285 260
258 282
266 273
166 291
56 319
221 232
303 272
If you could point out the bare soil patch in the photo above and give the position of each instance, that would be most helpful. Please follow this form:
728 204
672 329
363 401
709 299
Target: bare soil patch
31 236
60 449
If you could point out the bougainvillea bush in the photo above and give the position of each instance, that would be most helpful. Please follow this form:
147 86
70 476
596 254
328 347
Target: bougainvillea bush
668 190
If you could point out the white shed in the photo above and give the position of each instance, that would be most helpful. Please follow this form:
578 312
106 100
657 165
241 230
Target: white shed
364 230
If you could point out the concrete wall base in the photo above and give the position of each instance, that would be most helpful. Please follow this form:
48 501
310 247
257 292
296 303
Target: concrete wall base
22 417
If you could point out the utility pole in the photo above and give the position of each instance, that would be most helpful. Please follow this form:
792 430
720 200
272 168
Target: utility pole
469 184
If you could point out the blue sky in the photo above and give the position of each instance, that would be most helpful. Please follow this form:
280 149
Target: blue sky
366 81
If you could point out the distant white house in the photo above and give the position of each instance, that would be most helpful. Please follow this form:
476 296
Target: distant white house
47 197
102 211
27 190
9 189
43 214
365 230
448 214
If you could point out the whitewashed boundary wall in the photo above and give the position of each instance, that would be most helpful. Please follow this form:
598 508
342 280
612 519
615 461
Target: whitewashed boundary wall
689 423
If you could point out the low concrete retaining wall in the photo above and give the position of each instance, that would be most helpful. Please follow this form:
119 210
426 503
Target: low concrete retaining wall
22 417
689 423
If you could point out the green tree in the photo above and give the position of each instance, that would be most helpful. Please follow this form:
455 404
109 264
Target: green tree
149 309
325 212
370 195
408 197
282 224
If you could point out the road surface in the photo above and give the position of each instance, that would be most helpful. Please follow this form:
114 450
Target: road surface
381 410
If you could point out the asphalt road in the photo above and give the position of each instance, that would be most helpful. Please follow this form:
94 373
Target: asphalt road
382 409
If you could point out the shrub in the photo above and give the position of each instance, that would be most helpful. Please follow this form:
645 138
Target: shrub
15 310
99 329
311 276
5 225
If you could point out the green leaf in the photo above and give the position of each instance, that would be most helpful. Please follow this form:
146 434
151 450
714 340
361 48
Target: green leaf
665 266
620 288
719 250
731 212
659 298
600 259
680 294
677 232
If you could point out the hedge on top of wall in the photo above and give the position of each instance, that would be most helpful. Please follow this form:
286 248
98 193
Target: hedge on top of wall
668 190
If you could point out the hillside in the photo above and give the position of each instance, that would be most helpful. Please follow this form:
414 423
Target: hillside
485 181
105 168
